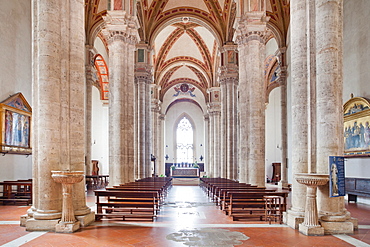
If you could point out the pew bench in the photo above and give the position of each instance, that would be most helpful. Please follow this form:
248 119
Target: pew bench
16 191
247 205
126 204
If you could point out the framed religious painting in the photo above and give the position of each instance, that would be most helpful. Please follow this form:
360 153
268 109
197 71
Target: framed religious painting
15 122
357 127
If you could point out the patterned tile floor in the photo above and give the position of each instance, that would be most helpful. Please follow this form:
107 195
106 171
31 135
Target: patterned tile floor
188 218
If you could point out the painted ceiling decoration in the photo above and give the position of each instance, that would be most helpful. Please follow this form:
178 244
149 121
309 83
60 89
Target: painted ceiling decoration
186 37
184 89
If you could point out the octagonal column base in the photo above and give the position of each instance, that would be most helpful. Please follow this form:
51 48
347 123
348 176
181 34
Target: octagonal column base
311 230
293 218
67 227
86 219
346 227
41 225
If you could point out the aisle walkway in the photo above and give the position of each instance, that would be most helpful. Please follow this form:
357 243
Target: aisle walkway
188 218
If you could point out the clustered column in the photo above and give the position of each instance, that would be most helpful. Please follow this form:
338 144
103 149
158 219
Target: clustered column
284 117
214 130
157 146
58 110
121 34
251 41
143 79
229 84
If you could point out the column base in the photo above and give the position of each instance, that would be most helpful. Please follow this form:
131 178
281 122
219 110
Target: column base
24 219
311 230
41 225
86 219
67 227
293 218
344 227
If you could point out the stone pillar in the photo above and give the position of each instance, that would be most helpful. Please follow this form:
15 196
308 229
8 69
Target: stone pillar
211 171
143 79
283 183
251 41
90 80
58 121
207 143
121 34
229 83
157 145
300 109
214 113
162 161
329 34
223 137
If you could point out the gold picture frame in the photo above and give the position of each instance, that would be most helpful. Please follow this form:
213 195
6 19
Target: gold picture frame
15 123
357 127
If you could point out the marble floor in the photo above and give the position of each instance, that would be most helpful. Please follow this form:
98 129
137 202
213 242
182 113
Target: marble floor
188 218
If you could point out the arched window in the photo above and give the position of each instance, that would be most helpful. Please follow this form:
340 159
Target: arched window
184 137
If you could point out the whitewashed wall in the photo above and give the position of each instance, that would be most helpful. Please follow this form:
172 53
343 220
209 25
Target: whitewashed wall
16 74
356 71
99 129
273 131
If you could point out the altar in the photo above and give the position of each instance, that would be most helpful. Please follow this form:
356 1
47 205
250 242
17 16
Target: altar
185 172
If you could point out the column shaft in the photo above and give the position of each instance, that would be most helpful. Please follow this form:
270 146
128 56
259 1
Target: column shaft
58 97
299 92
329 92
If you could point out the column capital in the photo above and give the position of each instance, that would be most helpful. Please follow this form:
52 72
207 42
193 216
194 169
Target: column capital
214 108
120 26
252 29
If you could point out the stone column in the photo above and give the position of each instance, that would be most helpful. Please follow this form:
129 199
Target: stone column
299 108
162 161
214 113
251 40
229 83
58 113
156 126
217 139
121 34
143 79
90 80
329 34
211 171
207 143
283 183
223 126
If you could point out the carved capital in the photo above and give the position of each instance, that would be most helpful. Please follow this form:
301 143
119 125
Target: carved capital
120 26
249 30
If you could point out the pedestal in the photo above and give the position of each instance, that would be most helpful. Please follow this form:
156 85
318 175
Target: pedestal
68 222
311 225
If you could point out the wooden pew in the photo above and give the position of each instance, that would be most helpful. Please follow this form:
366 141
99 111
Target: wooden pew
247 205
126 204
225 196
17 191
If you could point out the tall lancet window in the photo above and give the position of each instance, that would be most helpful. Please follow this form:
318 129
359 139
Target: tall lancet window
184 137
